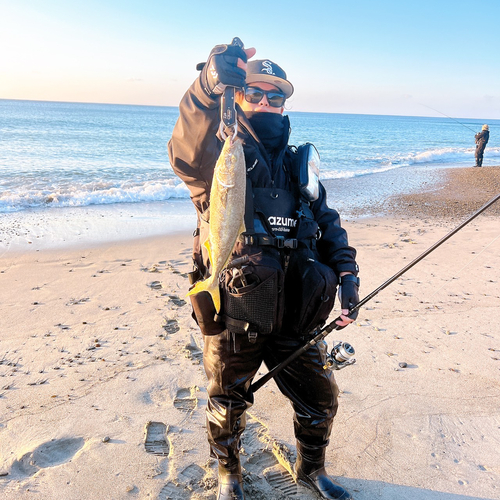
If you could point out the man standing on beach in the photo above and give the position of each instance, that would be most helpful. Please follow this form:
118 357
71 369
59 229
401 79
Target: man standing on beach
282 280
481 141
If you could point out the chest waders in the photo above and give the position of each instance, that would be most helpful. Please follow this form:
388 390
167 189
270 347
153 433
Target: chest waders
259 310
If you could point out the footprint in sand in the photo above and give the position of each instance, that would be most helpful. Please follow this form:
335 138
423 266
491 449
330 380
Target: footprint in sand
177 300
186 252
172 492
171 266
282 481
190 479
256 439
266 466
156 441
269 465
192 351
192 475
171 326
55 452
260 461
155 285
185 400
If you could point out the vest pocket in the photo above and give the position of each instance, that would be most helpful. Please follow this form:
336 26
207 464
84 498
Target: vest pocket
253 298
311 287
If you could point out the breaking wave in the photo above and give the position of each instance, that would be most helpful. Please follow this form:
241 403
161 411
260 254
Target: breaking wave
102 193
441 157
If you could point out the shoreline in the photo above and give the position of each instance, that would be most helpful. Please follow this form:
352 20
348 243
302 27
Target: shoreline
441 193
73 227
445 192
100 355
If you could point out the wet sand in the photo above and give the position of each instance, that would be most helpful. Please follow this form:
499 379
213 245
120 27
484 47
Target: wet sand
102 389
456 193
438 193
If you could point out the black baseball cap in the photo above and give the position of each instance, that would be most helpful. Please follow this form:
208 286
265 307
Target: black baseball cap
264 70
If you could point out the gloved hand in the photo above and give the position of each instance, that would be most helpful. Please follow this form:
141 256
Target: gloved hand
348 293
222 69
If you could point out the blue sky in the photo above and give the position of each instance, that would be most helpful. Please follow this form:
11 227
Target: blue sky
377 57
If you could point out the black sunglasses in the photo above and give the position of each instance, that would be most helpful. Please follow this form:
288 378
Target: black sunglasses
254 95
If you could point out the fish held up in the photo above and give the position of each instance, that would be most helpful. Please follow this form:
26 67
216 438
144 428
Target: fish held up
227 212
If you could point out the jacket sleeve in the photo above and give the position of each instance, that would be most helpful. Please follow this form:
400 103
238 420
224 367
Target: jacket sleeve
194 147
333 245
482 137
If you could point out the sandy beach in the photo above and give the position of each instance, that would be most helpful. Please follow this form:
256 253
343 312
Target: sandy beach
102 388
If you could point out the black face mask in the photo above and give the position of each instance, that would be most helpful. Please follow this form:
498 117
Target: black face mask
269 128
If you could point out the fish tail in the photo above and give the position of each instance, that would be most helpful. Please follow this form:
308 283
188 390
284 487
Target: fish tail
211 286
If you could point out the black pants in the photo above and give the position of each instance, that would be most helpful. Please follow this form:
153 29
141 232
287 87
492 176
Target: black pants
479 155
231 362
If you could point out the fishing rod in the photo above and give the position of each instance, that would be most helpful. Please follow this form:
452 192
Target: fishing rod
342 352
437 111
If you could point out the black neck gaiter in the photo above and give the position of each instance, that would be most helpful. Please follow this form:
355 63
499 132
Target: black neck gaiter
269 129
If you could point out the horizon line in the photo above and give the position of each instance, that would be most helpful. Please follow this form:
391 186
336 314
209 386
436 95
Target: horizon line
290 111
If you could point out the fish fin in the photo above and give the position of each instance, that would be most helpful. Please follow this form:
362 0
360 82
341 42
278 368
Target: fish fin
209 250
201 286
216 298
211 286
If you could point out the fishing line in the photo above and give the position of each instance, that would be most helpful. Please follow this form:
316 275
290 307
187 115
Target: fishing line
437 111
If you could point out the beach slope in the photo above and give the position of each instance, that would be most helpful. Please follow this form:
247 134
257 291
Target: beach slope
102 388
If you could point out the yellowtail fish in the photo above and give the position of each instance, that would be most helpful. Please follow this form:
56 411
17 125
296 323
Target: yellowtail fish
227 211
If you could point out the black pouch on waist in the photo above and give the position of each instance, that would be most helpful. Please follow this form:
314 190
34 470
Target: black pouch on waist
310 294
204 314
253 295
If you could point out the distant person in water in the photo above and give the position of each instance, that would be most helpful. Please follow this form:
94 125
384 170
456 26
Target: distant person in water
481 141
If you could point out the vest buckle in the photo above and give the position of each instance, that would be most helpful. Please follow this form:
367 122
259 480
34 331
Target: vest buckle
252 337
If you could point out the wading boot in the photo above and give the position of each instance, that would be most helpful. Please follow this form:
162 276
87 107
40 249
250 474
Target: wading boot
230 483
310 470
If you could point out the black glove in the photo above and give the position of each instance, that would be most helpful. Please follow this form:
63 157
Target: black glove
222 69
348 293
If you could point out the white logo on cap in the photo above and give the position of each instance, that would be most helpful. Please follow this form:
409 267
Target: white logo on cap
268 67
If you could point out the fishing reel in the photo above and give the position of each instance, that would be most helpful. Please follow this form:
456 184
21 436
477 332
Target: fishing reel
340 356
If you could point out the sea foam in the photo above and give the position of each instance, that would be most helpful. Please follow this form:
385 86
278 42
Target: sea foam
92 194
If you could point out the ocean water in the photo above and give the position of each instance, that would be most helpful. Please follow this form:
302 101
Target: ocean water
55 155
73 173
